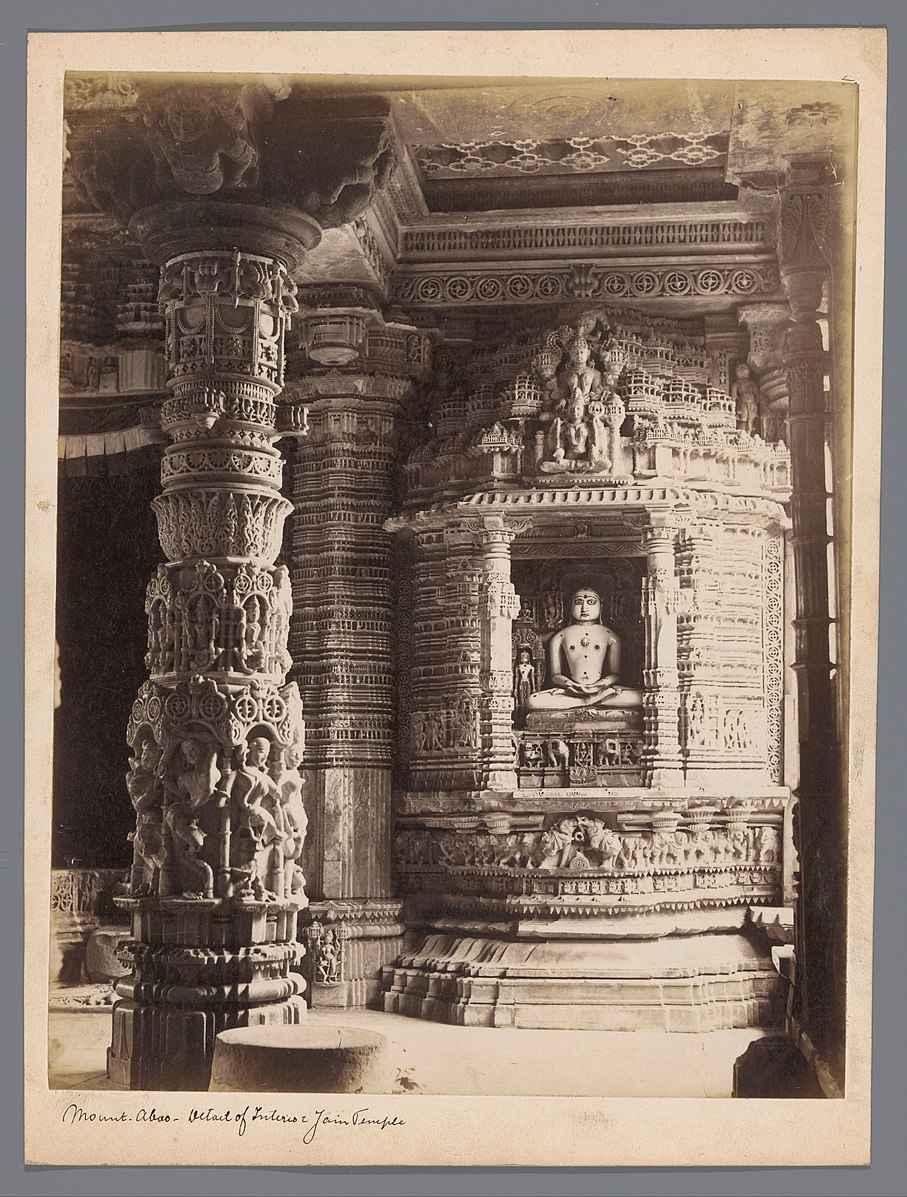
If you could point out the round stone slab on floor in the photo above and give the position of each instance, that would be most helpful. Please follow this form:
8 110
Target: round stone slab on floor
296 1059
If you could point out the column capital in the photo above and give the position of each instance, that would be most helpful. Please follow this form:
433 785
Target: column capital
210 164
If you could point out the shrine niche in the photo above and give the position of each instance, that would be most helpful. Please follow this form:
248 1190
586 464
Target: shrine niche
589 730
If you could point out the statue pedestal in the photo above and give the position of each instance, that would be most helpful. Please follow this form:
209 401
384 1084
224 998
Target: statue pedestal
591 746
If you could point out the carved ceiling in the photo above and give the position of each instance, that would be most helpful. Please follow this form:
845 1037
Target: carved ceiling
530 192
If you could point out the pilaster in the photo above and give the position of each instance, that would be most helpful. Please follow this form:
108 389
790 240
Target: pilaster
661 699
767 324
447 692
501 606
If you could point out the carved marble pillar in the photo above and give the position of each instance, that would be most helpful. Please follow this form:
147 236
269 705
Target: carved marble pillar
342 635
358 373
227 185
501 607
661 700
730 654
216 732
806 252
446 675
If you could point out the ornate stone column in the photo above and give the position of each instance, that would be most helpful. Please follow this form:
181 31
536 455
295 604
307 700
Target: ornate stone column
446 673
806 250
730 652
501 607
358 373
217 732
661 701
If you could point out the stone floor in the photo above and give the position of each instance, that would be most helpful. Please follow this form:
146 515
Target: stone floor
426 1057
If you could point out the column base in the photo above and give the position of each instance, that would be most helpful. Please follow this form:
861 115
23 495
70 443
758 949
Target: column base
167 1047
199 967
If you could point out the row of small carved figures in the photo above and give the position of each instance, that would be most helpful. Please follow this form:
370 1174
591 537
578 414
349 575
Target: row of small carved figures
602 847
247 645
554 753
192 800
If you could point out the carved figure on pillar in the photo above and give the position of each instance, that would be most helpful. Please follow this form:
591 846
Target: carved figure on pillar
144 785
227 186
192 788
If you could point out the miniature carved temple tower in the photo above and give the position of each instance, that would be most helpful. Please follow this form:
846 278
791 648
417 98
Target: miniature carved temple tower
593 798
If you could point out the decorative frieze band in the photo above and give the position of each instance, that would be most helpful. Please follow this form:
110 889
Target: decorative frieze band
583 281
673 234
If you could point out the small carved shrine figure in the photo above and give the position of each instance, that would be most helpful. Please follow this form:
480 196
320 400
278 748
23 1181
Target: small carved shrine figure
553 604
584 405
584 662
252 647
93 374
602 839
612 752
530 755
745 394
739 844
764 845
110 373
144 788
525 682
193 788
330 947
558 753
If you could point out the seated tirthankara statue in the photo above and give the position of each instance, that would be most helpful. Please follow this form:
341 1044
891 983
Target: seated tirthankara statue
584 663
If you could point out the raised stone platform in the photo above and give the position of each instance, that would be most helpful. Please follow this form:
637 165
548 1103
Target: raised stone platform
685 983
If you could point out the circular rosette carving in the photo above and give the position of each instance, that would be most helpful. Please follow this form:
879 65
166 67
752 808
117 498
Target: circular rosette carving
212 706
273 709
245 708
177 706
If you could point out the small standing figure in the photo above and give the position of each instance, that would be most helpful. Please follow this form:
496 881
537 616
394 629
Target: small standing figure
745 394
254 830
295 821
93 374
525 680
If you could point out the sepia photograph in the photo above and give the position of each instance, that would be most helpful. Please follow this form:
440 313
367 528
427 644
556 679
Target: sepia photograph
454 690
